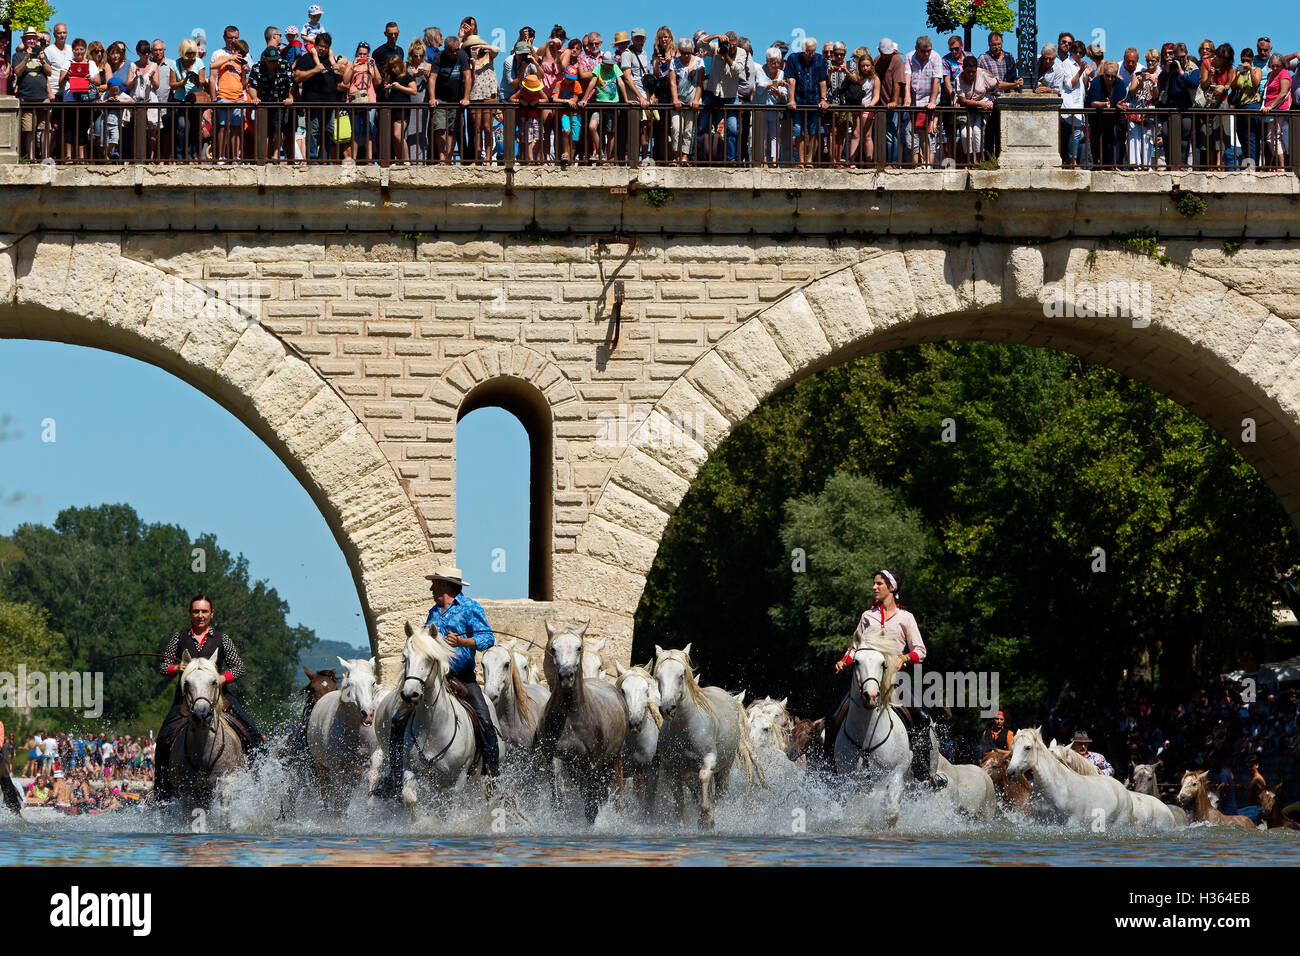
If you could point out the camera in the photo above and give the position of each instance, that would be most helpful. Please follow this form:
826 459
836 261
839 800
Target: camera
724 47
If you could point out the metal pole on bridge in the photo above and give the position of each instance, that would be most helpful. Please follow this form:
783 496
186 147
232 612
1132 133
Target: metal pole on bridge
1027 43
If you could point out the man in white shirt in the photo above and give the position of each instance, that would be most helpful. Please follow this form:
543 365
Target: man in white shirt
1070 78
634 61
730 64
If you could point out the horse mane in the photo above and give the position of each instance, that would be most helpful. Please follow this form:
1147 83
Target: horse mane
779 730
771 703
692 686
650 699
521 695
1076 761
745 752
887 647
426 643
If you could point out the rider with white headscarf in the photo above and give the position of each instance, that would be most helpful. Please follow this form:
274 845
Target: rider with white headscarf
890 619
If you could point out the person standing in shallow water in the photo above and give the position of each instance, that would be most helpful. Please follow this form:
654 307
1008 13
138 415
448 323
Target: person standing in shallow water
898 623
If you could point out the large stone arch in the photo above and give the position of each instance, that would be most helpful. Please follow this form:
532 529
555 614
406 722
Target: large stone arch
1216 351
84 291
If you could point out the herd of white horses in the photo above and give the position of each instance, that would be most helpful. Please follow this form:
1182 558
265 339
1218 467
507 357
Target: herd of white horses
580 732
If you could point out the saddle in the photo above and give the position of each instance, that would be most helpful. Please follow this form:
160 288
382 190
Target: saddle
461 693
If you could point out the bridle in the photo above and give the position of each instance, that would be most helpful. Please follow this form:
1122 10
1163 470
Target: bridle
881 707
455 716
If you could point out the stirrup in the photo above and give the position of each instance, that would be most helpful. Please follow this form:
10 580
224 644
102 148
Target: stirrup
937 781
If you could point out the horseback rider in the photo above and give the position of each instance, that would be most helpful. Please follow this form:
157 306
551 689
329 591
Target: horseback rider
997 737
201 639
887 615
464 627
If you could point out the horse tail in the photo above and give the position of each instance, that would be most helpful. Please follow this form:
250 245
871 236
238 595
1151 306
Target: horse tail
745 752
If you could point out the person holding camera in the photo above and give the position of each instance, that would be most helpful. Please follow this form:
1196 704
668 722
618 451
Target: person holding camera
364 89
187 80
721 88
29 80
1177 86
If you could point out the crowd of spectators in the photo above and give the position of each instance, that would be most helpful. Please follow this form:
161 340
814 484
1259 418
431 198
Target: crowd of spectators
113 758
444 98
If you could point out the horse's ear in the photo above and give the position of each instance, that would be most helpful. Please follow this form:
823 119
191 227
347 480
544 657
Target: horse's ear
346 668
582 630
310 675
687 651
740 698
372 663
1052 745
659 652
1159 763
510 646
819 724
599 645
550 630
620 668
410 631
185 660
784 702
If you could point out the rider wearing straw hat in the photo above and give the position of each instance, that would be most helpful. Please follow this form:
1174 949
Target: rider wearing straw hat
898 623
465 629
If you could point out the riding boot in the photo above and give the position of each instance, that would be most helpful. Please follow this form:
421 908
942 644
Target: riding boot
919 738
391 785
162 782
10 793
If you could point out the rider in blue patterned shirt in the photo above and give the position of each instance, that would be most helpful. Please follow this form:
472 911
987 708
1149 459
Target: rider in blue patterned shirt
464 627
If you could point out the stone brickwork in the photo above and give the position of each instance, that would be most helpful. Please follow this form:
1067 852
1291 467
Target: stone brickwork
352 354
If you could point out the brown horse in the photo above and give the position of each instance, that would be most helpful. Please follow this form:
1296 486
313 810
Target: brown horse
1012 794
319 683
1270 812
1194 797
805 738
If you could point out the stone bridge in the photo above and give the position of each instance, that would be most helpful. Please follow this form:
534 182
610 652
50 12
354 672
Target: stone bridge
630 319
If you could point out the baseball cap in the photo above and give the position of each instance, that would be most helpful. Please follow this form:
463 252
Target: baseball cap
523 47
291 31
607 58
638 32
198 33
314 9
271 53
887 46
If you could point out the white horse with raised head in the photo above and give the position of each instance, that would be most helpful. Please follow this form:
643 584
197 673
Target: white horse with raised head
341 732
1145 783
1082 800
872 745
641 746
705 733
439 747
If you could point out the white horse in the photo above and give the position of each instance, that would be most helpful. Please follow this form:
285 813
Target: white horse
341 732
872 745
1145 784
439 748
1082 800
779 716
970 790
518 705
705 733
640 748
209 749
532 672
593 665
770 735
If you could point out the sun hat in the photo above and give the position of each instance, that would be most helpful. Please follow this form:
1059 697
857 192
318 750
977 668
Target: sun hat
621 37
473 40
607 58
453 575
533 85
30 32
887 46
1080 737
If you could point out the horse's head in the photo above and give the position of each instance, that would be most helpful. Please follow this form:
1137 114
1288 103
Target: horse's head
994 763
592 663
496 670
1194 784
776 710
1144 778
671 668
1267 799
1025 748
358 687
640 694
763 730
424 657
201 689
564 648
319 683
869 666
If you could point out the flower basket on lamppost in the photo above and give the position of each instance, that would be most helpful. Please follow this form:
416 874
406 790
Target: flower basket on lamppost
947 16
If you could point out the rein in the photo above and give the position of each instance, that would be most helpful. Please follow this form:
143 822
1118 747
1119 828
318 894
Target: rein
455 729
883 705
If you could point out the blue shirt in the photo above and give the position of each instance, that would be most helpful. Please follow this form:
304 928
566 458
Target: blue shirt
465 617
807 78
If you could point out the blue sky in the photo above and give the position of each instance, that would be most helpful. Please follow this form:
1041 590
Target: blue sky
124 431
1121 23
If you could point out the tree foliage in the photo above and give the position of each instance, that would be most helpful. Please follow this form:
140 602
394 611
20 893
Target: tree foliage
113 585
1053 458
